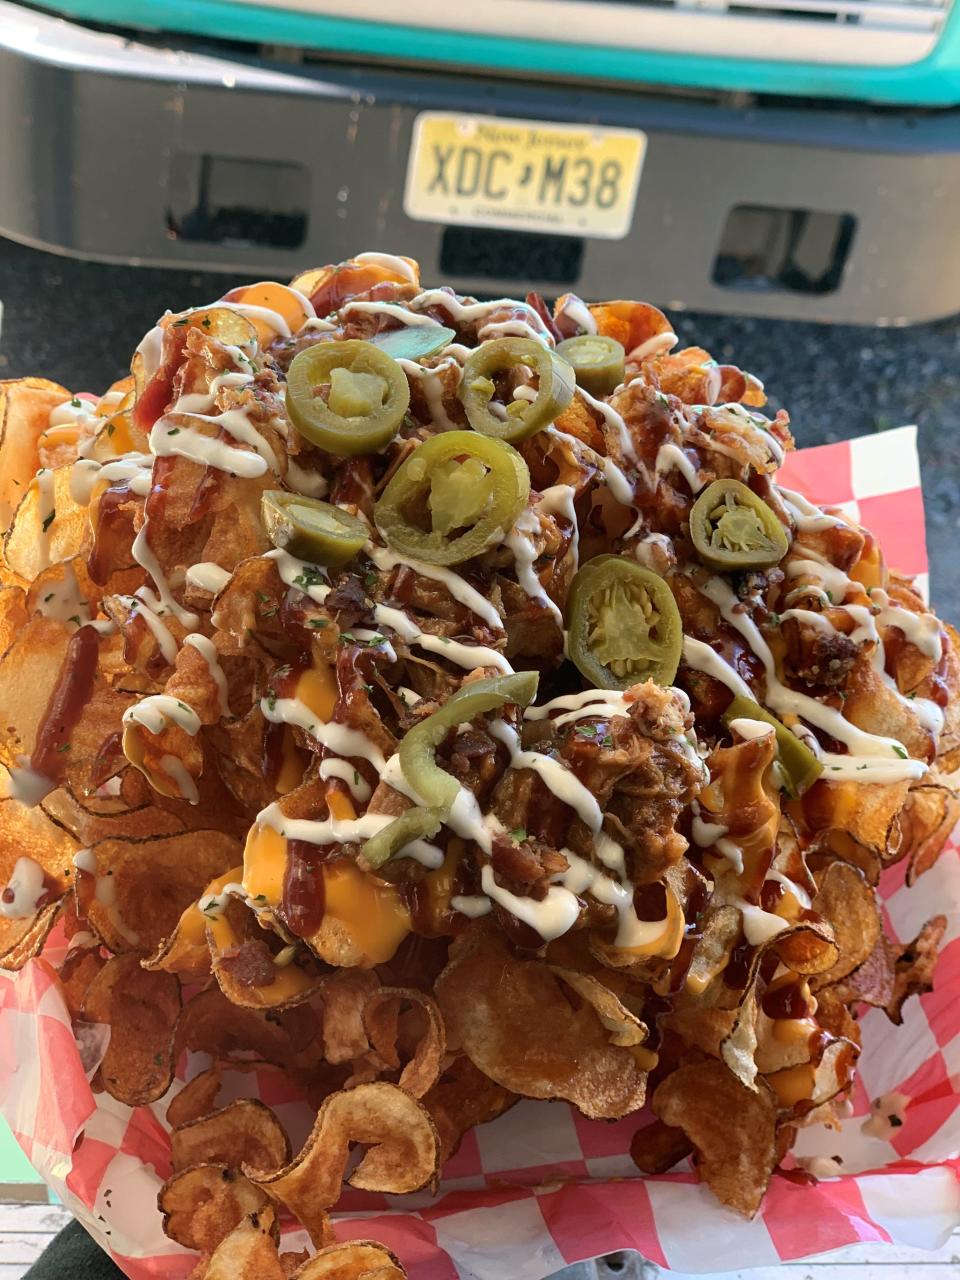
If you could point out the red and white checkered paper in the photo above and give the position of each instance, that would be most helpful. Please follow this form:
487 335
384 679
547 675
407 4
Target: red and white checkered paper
542 1187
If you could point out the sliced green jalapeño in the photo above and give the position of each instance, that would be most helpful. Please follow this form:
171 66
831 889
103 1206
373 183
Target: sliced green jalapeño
310 529
436 788
732 528
800 766
597 361
520 418
347 397
456 495
624 626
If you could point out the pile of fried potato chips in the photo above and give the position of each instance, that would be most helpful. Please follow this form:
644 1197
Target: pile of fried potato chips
434 729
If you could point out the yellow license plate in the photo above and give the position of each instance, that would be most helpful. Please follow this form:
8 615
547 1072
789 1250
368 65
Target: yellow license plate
491 172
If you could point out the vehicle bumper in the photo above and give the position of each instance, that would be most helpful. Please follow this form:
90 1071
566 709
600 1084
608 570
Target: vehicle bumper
105 147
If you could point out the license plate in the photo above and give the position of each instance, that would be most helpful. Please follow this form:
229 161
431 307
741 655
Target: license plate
492 172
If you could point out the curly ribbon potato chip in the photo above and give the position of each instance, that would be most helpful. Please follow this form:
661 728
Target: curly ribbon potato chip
404 1020
402 1155
141 1009
244 1132
203 1204
462 1098
196 1099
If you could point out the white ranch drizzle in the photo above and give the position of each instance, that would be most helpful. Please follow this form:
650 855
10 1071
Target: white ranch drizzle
144 556
150 350
477 310
806 515
290 569
208 576
358 787
614 420
791 886
307 482
558 499
173 439
787 701
145 605
670 457
208 651
578 311
759 926
460 589
65 604
579 706
469 656
551 916
317 324
393 309
26 785
653 346
159 710
433 389
23 890
105 893
87 473
247 309
177 771
556 776
699 655
751 729
336 737
390 261
519 541
616 481
46 511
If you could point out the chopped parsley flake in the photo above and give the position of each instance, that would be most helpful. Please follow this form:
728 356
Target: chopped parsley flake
900 751
75 402
48 520
75 618
311 576
111 427
518 835
317 622
47 599
64 747
173 431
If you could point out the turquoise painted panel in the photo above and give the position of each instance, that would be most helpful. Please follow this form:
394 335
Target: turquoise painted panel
935 81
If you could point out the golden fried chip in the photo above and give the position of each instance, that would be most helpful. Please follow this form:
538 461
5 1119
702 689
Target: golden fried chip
203 1204
849 905
81 966
249 1252
462 1098
625 1028
518 1023
403 1153
657 1147
186 951
344 996
288 1038
245 1132
25 408
926 821
196 1099
153 882
354 1260
733 1131
405 1021
245 965
141 1010
48 525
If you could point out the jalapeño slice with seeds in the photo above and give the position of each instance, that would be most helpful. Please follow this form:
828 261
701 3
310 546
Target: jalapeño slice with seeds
348 397
732 528
523 418
456 495
624 624
310 529
597 361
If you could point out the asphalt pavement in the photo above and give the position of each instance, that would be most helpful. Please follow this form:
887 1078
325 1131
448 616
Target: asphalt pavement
78 322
